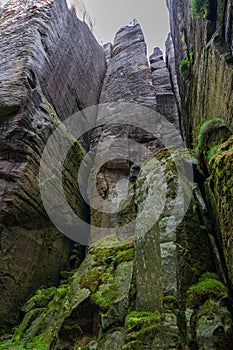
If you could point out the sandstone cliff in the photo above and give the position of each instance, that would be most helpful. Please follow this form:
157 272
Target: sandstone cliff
158 272
40 85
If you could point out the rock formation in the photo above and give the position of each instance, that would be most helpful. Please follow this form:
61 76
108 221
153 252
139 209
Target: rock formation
158 273
40 85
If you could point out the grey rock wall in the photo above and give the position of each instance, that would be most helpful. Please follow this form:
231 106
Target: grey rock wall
40 85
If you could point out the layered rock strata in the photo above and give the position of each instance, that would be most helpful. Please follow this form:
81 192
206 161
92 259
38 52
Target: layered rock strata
40 85
158 273
165 97
201 33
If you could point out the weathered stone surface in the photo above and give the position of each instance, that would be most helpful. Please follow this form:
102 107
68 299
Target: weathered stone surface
208 316
114 341
183 252
166 101
80 312
215 156
167 286
128 76
203 61
40 84
171 63
128 80
179 253
108 51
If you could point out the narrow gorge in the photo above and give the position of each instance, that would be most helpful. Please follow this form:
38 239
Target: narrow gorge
135 251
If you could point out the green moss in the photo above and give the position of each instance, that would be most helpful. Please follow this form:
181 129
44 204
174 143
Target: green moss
141 328
107 278
219 189
41 299
207 288
209 310
106 296
170 302
9 345
40 342
200 8
211 133
53 118
221 162
163 154
91 278
125 255
136 320
143 333
101 255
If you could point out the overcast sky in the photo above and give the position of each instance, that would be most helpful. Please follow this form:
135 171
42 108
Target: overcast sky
110 15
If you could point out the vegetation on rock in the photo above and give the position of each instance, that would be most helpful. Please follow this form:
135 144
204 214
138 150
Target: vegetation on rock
200 8
208 287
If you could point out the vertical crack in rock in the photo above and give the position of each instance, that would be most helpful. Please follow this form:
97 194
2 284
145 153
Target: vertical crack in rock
166 102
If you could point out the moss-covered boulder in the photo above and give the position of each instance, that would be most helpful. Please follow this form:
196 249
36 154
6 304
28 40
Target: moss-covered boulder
178 242
208 314
151 330
150 294
215 153
212 133
81 311
219 188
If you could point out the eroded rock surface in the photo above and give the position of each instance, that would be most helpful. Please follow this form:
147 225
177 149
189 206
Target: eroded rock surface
165 98
40 85
128 81
201 35
163 281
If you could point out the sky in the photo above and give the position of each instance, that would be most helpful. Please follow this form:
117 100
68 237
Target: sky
110 15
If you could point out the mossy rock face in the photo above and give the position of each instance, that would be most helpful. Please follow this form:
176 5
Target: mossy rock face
210 136
219 190
151 330
95 296
200 8
112 295
178 242
113 340
162 190
140 328
210 326
207 287
208 314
